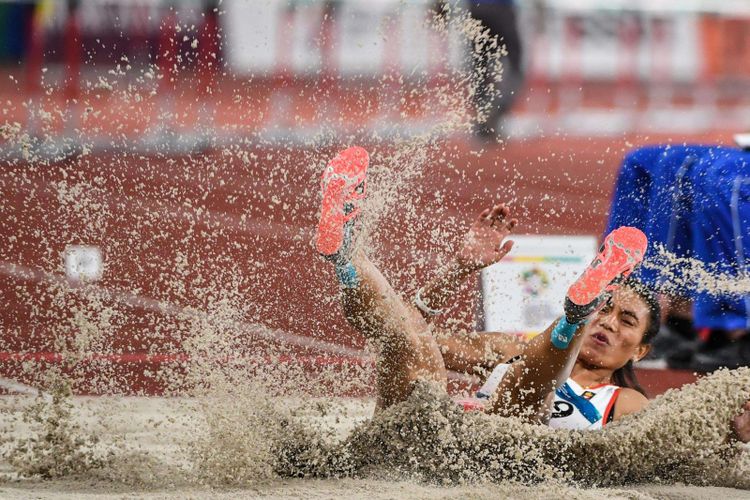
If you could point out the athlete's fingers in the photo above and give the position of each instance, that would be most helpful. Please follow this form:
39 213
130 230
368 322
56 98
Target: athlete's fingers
484 217
507 246
494 218
499 213
504 210
508 225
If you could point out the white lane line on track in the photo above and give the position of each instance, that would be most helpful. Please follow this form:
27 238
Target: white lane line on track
146 303
118 205
163 307
18 387
14 388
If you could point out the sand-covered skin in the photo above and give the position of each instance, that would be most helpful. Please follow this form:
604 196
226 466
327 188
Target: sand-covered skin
242 415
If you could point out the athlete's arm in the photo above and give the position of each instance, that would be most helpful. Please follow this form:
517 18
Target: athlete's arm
739 431
629 401
470 351
741 425
482 246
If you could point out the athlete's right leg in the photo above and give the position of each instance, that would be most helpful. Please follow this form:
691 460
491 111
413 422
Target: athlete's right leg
405 349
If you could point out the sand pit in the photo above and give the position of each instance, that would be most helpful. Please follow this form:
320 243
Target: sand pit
152 437
346 488
157 428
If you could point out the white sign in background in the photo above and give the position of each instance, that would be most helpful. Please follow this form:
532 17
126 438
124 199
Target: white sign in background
524 292
83 262
369 35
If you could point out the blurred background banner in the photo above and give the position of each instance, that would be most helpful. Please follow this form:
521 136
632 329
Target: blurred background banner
589 67
525 292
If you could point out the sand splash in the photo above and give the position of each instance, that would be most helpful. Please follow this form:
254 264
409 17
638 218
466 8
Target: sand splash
686 275
681 438
242 413
244 438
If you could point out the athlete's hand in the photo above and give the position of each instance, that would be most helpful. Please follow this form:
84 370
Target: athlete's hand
483 244
741 424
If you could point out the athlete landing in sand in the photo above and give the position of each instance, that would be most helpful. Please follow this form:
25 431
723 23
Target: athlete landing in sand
578 371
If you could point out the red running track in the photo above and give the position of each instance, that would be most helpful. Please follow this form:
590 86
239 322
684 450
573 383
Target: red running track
221 241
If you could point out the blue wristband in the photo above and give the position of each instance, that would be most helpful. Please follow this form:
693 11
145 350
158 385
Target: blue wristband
563 333
347 275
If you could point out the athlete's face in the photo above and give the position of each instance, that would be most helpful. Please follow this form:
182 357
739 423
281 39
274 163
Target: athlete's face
613 336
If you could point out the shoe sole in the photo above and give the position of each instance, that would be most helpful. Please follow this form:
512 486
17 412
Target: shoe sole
622 250
341 180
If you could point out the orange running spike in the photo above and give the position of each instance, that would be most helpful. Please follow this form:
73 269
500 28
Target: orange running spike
343 185
623 249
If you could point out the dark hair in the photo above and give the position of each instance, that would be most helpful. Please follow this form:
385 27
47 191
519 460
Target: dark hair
625 376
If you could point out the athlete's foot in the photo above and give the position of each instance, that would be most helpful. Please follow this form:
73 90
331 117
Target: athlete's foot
623 249
343 185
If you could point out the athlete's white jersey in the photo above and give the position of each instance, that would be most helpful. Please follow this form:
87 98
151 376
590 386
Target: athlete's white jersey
573 406
577 408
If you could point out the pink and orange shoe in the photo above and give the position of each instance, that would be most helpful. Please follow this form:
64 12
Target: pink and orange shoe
343 186
623 249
